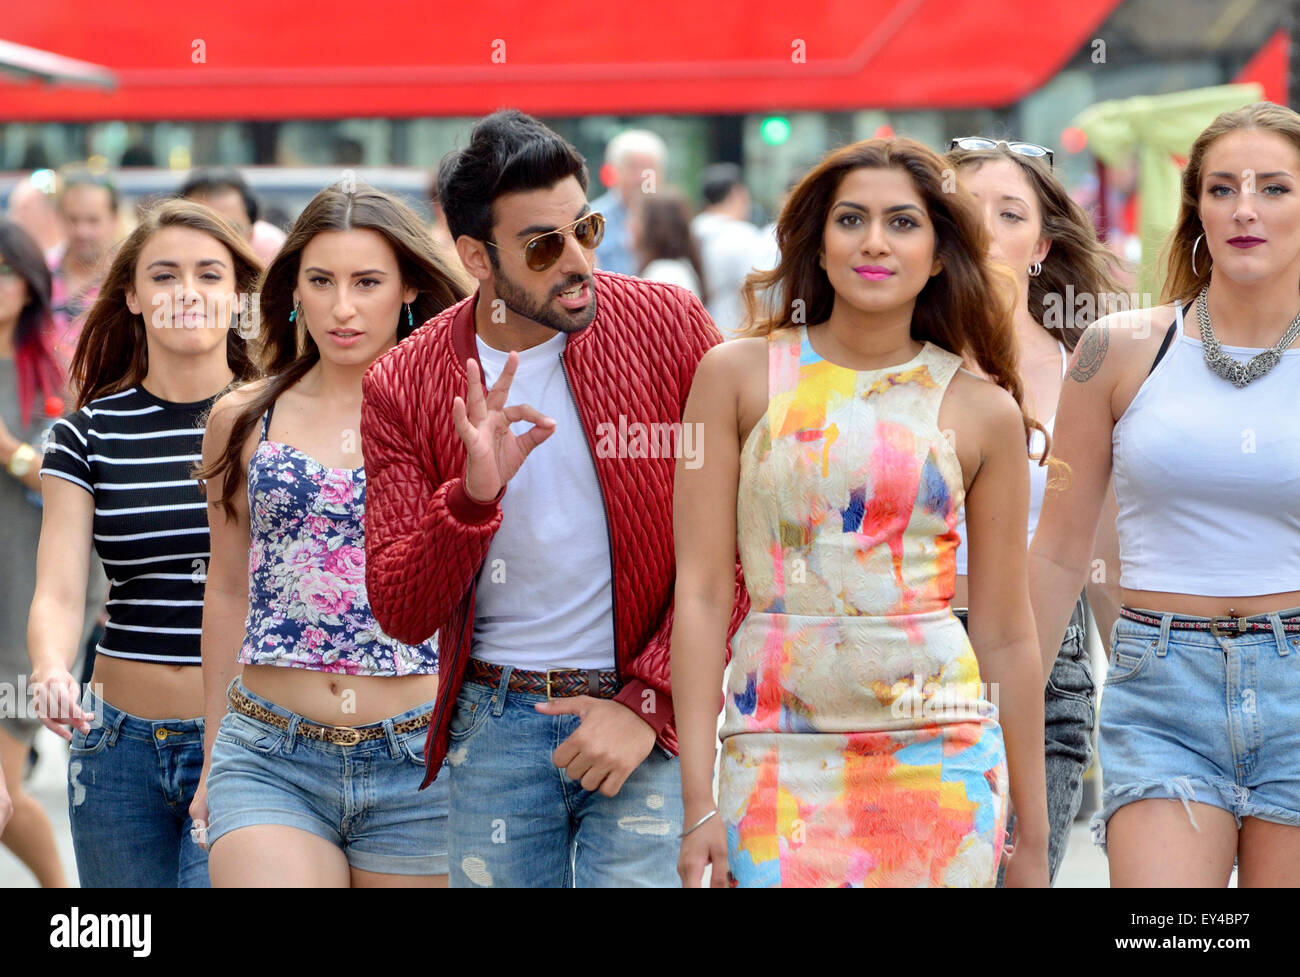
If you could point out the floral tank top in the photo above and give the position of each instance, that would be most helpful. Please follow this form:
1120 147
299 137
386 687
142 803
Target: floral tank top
307 605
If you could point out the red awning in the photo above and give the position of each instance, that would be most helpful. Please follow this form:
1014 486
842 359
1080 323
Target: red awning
1270 67
277 59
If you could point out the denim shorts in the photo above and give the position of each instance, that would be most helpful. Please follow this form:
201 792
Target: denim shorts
130 784
365 799
1192 717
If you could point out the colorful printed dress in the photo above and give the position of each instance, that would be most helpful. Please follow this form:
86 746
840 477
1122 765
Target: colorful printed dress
858 748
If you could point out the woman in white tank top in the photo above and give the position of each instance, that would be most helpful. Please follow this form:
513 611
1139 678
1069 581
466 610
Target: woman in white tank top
1200 717
1063 274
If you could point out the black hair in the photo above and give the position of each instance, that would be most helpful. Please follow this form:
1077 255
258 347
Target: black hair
508 152
38 369
23 255
718 181
206 182
78 176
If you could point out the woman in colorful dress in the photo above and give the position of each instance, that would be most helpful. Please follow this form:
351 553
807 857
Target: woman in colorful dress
861 745
316 719
1193 405
1064 280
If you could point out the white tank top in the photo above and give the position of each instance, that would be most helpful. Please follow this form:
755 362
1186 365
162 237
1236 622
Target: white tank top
1037 477
1207 477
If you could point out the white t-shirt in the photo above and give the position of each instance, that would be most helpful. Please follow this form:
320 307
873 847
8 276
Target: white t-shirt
545 594
1037 479
674 271
729 250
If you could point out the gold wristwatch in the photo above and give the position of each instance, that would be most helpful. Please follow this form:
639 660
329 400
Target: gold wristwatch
21 461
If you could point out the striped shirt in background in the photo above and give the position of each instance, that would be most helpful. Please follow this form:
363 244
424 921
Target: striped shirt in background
134 453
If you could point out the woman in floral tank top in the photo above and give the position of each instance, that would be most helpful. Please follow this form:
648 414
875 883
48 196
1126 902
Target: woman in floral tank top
317 720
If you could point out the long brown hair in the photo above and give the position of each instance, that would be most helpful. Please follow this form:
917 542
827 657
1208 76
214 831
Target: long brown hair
966 308
112 353
666 233
1182 284
288 349
1078 263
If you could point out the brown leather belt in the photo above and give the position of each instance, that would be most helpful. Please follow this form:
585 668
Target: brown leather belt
338 735
554 683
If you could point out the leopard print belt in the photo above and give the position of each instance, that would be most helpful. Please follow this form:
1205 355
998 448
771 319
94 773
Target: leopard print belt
339 735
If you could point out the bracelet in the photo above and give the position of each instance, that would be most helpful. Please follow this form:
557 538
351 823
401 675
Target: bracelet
20 462
698 823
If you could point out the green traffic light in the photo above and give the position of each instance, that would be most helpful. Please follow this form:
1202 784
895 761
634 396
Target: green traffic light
775 130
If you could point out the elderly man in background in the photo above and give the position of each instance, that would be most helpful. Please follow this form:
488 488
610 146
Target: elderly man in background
637 158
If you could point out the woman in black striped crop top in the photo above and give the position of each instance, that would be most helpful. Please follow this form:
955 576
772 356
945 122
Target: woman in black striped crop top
157 349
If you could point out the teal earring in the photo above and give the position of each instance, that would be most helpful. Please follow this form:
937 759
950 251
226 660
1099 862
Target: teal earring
293 314
410 319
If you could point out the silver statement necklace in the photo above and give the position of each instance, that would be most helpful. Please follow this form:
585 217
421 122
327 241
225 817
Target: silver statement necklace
1239 374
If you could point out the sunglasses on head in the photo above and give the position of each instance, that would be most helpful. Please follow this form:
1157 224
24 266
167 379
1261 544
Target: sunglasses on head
544 250
971 143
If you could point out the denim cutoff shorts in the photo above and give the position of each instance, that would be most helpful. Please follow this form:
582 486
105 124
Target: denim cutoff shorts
365 799
1192 717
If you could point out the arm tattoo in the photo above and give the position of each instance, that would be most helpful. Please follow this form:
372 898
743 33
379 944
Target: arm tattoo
1088 357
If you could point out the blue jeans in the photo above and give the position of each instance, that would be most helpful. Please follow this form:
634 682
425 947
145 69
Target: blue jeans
130 783
1068 720
518 821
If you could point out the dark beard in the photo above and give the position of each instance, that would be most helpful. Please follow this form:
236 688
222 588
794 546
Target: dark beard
521 303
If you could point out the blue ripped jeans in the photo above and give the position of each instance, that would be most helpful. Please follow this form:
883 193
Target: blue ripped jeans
518 821
130 784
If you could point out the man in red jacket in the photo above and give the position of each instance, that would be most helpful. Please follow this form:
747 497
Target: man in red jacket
530 524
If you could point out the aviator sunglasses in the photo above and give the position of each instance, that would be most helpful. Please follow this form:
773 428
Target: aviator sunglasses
971 143
544 250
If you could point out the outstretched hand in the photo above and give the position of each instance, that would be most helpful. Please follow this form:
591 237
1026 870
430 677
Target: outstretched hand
494 452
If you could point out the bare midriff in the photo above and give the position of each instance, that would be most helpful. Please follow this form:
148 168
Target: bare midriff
1192 605
336 699
150 690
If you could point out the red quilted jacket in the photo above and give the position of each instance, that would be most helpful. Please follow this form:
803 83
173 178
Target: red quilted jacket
426 539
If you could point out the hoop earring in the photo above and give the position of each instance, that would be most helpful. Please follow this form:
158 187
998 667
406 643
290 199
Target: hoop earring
1035 269
1195 245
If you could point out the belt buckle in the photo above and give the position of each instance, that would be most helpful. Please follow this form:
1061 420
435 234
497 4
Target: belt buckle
350 731
549 695
1238 625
